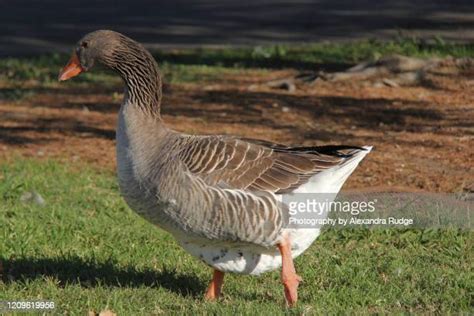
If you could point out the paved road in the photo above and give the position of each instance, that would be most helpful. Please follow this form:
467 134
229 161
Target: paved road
36 26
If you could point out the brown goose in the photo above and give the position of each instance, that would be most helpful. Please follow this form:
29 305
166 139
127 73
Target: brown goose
219 196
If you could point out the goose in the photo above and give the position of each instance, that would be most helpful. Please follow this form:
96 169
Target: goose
220 196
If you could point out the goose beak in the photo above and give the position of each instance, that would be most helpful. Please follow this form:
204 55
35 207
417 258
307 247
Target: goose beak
72 69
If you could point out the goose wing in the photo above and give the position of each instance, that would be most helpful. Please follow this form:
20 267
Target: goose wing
257 165
227 190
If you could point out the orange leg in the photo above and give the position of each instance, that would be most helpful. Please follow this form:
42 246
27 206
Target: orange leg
214 289
289 277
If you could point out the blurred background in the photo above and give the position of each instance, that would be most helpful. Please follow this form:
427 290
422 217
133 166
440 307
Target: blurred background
397 75
31 27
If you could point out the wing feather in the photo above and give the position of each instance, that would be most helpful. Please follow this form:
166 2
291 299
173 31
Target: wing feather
256 165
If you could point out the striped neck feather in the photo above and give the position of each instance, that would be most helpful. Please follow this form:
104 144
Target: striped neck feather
140 72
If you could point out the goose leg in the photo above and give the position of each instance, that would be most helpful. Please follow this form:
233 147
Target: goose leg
289 277
214 289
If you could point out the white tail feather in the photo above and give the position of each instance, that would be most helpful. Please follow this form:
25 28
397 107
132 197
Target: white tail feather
332 179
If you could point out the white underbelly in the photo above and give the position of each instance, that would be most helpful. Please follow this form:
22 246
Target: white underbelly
247 258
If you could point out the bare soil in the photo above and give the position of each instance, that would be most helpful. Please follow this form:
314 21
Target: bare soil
423 136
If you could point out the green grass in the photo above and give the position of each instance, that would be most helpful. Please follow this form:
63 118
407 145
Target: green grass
311 56
210 65
44 70
85 250
197 65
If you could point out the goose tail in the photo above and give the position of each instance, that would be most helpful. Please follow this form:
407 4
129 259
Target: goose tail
331 180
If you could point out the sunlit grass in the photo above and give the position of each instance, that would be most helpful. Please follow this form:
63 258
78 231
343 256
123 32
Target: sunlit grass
175 63
86 250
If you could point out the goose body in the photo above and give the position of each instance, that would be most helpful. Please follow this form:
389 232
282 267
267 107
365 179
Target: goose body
219 196
146 165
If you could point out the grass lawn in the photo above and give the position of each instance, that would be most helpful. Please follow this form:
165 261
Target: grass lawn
86 250
198 65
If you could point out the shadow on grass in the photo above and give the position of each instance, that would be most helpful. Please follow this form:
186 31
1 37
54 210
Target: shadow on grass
244 59
90 274
46 67
31 128
234 106
377 114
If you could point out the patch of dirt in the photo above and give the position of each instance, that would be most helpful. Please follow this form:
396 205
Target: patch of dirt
423 136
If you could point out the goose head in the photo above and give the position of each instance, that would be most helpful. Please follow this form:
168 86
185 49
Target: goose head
127 57
89 49
104 46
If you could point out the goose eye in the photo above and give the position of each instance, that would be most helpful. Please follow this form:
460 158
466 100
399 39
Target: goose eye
84 44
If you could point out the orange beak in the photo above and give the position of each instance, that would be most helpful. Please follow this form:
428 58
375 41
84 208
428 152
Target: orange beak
72 69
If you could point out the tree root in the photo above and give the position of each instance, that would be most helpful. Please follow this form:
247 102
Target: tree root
391 70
